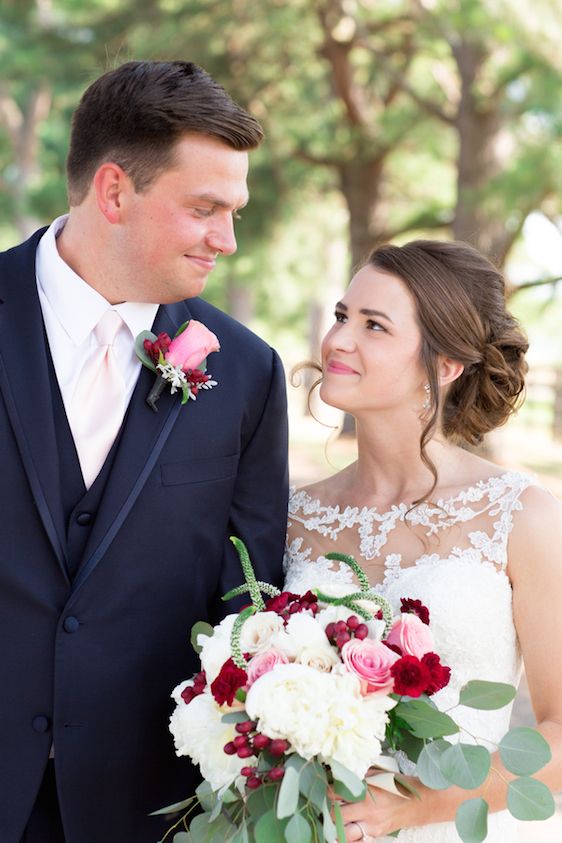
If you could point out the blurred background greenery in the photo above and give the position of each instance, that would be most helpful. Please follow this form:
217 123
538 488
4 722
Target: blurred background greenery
385 119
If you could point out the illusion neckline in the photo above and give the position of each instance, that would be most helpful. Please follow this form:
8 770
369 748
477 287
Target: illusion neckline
441 504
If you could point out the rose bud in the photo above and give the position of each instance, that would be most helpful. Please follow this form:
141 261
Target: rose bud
192 346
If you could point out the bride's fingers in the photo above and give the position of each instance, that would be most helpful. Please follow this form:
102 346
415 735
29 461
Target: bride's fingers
356 831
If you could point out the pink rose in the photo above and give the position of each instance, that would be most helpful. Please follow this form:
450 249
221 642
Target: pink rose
412 636
190 348
264 662
371 661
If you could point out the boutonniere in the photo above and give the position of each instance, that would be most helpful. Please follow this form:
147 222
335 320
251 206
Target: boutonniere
179 363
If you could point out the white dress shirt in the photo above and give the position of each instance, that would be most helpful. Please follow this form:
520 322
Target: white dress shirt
71 310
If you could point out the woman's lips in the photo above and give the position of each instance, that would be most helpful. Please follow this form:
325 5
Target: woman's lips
338 368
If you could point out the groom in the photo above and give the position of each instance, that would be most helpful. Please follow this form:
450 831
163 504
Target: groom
115 518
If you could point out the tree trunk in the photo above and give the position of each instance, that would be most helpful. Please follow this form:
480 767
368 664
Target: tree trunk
360 184
240 301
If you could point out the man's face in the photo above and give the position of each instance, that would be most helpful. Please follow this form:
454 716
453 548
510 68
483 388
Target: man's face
173 232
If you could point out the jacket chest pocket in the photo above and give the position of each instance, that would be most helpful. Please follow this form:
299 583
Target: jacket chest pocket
206 470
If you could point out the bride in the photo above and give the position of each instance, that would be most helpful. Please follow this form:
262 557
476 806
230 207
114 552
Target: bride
426 358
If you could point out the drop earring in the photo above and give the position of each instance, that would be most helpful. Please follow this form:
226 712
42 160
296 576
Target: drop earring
427 400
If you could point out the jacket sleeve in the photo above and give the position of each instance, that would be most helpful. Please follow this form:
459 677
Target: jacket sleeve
259 505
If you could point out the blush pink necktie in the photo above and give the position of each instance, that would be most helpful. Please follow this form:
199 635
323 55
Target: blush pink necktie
98 403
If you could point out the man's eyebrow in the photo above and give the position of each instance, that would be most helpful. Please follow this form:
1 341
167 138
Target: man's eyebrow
365 311
215 200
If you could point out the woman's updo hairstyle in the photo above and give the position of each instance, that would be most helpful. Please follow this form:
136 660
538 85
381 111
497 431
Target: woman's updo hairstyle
461 311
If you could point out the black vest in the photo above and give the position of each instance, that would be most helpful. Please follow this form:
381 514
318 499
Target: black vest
80 505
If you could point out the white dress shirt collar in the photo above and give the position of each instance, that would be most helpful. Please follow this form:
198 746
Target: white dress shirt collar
77 305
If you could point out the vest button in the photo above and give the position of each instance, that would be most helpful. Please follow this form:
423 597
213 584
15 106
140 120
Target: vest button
71 624
41 723
84 518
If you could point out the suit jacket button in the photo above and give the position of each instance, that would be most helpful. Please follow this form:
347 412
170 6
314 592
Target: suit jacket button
71 624
41 723
84 518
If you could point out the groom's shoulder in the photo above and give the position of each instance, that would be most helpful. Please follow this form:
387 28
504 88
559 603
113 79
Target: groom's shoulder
231 334
21 253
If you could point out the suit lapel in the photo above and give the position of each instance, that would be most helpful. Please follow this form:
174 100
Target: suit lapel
143 436
26 386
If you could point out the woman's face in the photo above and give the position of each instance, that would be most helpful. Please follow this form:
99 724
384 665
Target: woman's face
371 355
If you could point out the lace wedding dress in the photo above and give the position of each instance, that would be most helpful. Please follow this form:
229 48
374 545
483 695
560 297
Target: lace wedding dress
451 555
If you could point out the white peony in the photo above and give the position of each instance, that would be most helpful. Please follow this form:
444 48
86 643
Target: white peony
216 648
259 630
199 732
320 714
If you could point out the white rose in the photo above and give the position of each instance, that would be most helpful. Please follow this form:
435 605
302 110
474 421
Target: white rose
307 644
199 733
216 648
259 630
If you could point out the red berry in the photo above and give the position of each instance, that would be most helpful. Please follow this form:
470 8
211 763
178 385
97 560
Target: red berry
278 746
260 742
245 727
229 748
353 622
240 740
362 631
275 774
244 751
248 771
330 630
253 782
341 626
342 638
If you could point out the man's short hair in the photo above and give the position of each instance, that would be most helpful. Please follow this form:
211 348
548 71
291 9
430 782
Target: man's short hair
134 115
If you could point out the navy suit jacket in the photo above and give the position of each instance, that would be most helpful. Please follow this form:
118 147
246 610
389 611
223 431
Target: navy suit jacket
157 560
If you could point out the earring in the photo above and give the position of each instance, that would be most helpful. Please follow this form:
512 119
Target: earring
427 400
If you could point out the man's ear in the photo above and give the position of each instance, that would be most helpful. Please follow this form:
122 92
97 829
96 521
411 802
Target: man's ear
449 370
111 183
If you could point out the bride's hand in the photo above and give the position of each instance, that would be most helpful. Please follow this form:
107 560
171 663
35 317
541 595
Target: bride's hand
380 813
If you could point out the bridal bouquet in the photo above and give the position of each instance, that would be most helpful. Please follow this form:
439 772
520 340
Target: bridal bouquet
303 700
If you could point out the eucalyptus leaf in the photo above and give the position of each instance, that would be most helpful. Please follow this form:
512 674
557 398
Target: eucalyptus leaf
261 801
199 828
351 782
298 830
241 835
524 751
269 829
181 328
139 349
465 765
206 796
177 806
428 770
182 837
529 799
200 628
471 820
234 717
424 720
486 696
313 783
288 793
328 826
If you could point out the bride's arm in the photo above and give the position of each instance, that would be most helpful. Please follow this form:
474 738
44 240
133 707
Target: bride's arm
535 570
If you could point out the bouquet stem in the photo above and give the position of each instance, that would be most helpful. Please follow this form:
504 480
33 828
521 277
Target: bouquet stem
155 392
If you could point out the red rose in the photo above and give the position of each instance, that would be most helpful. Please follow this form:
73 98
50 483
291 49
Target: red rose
415 607
411 676
439 674
227 682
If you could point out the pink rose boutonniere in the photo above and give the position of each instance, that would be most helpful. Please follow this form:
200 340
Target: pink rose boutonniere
180 362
